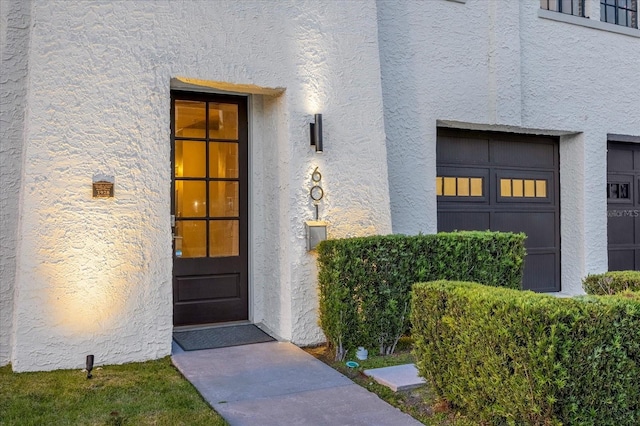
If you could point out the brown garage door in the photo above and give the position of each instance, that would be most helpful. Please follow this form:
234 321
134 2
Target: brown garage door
623 206
504 182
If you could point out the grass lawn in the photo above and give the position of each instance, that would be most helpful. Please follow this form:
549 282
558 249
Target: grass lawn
148 393
420 403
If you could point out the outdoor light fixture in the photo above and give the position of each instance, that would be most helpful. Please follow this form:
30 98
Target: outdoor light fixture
89 366
316 132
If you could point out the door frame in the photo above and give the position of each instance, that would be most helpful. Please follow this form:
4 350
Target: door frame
201 93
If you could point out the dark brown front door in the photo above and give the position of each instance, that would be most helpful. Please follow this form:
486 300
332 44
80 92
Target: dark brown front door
504 182
209 207
623 206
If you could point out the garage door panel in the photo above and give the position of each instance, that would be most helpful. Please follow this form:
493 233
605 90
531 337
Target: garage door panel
621 260
620 229
540 272
619 159
524 154
538 226
463 221
463 150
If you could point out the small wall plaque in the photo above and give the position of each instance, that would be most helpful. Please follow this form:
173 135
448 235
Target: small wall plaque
102 189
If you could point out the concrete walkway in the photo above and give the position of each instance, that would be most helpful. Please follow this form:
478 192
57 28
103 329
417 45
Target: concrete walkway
277 383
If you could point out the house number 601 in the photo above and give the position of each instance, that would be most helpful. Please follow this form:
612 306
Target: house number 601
316 191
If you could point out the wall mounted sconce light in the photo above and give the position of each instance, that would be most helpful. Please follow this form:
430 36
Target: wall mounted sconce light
316 132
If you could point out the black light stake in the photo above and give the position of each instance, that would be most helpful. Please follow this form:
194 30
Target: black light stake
89 366
316 132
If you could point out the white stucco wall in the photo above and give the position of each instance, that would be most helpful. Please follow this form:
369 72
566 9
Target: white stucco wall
591 78
499 64
94 275
14 44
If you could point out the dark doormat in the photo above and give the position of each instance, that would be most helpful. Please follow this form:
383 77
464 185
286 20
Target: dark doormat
220 337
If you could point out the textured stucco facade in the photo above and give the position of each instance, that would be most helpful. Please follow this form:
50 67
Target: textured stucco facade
505 66
85 92
94 275
14 43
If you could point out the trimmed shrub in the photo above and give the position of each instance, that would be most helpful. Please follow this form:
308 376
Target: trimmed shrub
512 357
611 282
365 283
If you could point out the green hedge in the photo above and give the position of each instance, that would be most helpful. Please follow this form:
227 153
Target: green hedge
365 283
512 357
612 282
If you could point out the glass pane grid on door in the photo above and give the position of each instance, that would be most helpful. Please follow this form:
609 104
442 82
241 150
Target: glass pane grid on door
206 176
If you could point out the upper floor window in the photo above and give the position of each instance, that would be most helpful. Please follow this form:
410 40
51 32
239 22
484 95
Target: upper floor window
620 12
570 7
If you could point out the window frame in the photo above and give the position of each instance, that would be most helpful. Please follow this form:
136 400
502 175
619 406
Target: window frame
631 13
580 12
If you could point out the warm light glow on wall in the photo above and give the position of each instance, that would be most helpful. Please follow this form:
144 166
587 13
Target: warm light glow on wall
311 99
313 69
89 288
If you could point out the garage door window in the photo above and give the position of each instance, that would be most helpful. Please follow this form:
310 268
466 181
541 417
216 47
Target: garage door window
454 186
618 191
528 188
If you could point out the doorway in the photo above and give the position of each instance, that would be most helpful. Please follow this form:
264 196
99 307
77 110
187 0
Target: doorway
623 206
504 182
209 152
